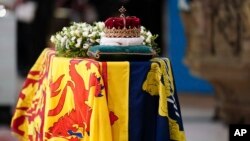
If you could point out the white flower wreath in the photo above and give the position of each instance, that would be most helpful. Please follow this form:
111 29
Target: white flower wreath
75 40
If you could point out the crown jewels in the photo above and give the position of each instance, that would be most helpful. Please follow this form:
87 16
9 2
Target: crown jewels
122 26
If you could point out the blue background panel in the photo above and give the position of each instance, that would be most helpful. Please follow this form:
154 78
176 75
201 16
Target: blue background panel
185 82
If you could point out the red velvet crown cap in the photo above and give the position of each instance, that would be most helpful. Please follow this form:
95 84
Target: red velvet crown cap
121 22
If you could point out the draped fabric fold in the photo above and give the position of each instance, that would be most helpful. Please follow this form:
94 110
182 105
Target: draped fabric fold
77 99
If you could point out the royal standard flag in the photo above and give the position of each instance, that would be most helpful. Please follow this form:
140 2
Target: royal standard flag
75 99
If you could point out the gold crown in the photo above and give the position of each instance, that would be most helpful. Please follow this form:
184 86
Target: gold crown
122 33
122 27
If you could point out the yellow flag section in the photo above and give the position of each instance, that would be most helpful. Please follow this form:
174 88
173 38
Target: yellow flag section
77 107
118 90
28 118
63 99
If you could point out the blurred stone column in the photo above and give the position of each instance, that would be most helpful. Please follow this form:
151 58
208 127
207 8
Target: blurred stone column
8 75
218 50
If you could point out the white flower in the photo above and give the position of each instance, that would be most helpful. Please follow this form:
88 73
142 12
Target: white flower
72 32
63 39
77 33
52 39
67 45
143 29
85 46
64 29
62 44
102 34
97 40
73 38
93 34
149 33
85 33
78 42
92 40
148 40
142 37
72 27
84 24
95 28
58 37
100 25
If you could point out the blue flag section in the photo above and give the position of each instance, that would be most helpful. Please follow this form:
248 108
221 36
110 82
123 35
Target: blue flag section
142 106
154 112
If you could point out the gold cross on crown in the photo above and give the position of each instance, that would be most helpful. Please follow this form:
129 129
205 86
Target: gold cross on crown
122 10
